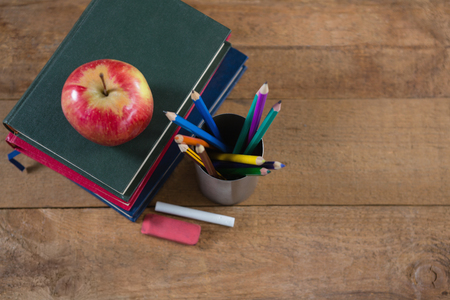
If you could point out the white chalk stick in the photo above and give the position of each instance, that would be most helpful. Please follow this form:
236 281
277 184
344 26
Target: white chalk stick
194 214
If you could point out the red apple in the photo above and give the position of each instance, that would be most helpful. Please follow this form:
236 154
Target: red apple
107 101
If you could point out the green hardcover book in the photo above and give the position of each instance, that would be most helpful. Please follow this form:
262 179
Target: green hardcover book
177 49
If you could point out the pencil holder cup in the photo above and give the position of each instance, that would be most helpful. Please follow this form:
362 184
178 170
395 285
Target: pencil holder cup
228 192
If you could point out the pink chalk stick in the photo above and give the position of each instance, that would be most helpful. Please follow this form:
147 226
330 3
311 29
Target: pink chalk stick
171 229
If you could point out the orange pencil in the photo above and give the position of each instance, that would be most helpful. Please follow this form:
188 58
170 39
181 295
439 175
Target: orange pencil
192 141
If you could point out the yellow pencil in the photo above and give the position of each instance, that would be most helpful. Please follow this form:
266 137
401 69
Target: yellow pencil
194 156
239 158
191 154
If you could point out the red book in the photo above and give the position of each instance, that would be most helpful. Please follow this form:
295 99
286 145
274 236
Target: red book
34 153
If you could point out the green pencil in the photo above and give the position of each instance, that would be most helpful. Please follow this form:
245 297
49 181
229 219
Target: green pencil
244 131
244 171
263 128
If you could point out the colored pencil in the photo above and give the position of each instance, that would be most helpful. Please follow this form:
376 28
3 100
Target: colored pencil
206 160
200 105
240 158
264 126
246 127
191 141
245 171
262 96
272 165
196 131
195 157
191 154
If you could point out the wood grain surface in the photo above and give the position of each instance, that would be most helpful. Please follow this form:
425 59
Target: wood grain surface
360 211
271 253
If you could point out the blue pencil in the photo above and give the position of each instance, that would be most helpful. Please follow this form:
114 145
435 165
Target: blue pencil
196 131
200 105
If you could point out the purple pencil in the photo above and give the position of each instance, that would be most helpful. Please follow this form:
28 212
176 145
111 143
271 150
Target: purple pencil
262 96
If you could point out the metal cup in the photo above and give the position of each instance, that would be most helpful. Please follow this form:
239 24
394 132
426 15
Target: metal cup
228 192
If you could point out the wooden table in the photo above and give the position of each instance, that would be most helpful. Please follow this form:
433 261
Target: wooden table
360 212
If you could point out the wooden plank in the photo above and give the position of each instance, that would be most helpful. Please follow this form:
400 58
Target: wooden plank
346 72
271 253
337 152
332 23
311 50
356 152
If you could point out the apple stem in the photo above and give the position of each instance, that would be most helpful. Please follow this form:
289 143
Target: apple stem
104 85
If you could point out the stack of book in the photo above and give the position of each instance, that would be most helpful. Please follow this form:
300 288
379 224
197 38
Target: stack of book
177 48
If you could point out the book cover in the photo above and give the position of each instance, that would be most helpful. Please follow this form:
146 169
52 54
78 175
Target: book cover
220 86
171 43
